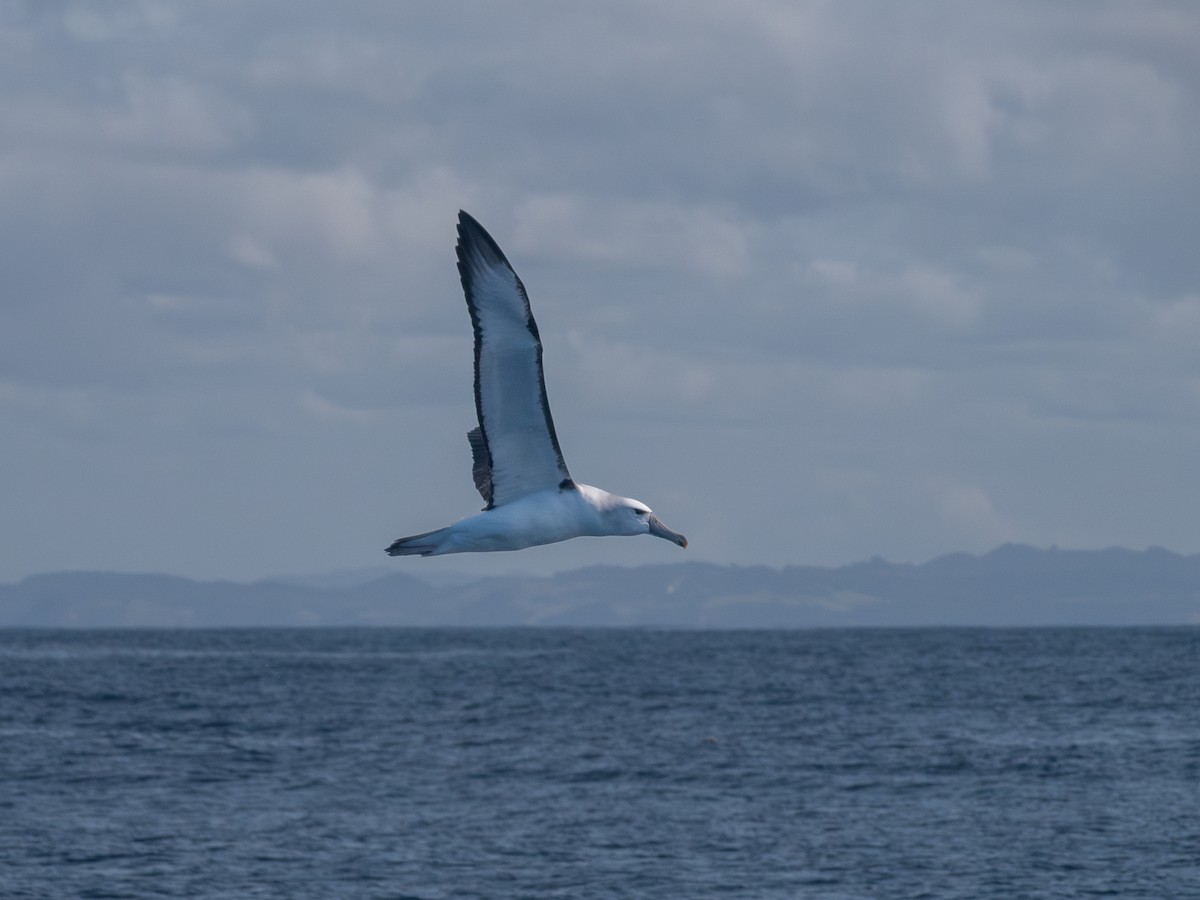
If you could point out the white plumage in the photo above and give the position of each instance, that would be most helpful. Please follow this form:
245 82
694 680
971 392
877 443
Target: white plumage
518 466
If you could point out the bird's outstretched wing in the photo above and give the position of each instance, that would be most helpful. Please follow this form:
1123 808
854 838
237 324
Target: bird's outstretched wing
515 449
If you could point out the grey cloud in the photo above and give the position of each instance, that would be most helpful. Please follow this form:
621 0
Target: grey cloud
871 273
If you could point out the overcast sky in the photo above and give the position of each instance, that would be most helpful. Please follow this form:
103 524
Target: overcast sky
817 281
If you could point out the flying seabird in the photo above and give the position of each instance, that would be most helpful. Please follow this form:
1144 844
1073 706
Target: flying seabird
518 466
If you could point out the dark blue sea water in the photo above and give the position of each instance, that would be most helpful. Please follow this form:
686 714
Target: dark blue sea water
600 764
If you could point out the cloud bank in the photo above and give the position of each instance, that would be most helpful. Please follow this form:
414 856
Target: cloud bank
816 281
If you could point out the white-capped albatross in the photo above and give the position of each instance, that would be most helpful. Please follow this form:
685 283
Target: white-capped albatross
518 466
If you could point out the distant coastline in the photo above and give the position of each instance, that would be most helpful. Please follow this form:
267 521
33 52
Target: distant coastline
1013 585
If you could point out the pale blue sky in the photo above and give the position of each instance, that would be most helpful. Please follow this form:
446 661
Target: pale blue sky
816 281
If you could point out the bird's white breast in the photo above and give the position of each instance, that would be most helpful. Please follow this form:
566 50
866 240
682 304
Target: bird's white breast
544 517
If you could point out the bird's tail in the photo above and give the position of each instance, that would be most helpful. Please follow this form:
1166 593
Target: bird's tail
417 544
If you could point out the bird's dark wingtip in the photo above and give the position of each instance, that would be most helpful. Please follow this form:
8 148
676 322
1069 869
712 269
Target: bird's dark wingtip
472 234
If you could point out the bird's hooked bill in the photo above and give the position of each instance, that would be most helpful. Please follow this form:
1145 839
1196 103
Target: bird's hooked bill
658 529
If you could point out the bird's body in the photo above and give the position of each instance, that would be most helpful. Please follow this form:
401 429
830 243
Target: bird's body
543 517
518 466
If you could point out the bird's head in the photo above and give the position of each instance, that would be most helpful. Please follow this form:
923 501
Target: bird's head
624 515
635 517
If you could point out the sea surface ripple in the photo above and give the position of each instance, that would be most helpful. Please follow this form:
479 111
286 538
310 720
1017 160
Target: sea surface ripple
406 763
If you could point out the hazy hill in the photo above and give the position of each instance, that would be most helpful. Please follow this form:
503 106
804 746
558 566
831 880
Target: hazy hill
1012 585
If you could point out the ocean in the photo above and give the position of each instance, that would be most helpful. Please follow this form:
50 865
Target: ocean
525 763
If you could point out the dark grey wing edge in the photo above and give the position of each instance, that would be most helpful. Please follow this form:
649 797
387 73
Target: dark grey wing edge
481 464
471 233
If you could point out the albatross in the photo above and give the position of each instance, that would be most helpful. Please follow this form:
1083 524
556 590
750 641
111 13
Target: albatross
530 496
